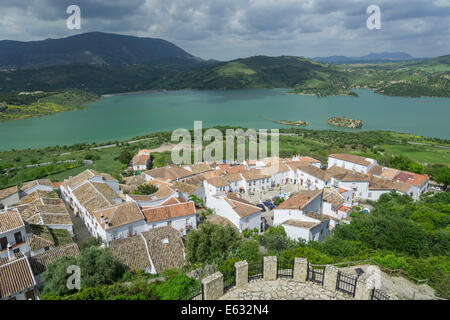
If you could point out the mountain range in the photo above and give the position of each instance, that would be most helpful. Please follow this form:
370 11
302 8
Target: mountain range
110 63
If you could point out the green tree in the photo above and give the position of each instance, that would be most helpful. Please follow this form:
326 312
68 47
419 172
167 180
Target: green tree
175 288
146 189
125 157
55 276
210 242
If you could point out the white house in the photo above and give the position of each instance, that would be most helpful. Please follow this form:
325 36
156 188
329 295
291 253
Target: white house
235 182
32 186
141 161
312 178
17 281
216 185
13 236
351 162
355 181
117 221
311 230
298 205
256 181
418 181
170 173
243 214
175 212
306 160
280 173
9 196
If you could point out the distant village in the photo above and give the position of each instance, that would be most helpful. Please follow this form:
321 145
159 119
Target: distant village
41 221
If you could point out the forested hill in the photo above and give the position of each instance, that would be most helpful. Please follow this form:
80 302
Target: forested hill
92 48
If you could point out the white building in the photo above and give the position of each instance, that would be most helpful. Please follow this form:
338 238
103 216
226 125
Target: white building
256 181
32 186
298 205
312 230
351 180
351 162
243 214
9 196
16 278
13 236
117 221
312 178
141 161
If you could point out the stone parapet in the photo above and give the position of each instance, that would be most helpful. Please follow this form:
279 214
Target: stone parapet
241 268
270 268
213 286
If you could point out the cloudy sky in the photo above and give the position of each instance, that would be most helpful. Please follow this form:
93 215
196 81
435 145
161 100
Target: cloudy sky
228 29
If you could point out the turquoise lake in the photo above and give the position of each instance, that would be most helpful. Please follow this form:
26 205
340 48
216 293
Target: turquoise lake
129 115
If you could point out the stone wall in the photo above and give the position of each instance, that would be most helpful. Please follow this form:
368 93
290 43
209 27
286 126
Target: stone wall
214 287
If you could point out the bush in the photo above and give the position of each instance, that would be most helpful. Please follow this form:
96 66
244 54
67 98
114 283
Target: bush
175 288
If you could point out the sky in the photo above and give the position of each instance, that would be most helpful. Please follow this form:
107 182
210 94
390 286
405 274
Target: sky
230 29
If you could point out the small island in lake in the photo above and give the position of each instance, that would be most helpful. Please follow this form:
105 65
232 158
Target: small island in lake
294 123
345 122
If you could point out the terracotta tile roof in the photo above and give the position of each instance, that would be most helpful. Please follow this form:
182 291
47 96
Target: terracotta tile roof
389 173
270 170
233 177
224 166
119 215
37 195
79 179
36 242
315 172
39 182
342 174
218 182
213 174
163 193
197 179
184 187
380 184
91 198
132 252
5 193
300 200
253 175
29 213
317 216
135 180
333 197
402 187
219 220
10 220
301 223
242 207
342 190
412 178
198 167
236 169
171 173
40 262
15 275
351 158
172 200
165 247
376 170
169 211
140 160
55 219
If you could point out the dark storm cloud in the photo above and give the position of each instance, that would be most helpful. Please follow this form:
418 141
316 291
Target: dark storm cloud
225 29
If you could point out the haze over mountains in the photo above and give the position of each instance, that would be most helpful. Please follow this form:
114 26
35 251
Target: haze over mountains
383 57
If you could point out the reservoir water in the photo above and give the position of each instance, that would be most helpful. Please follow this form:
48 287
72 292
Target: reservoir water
126 116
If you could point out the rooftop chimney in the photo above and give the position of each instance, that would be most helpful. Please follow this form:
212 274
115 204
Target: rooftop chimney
11 254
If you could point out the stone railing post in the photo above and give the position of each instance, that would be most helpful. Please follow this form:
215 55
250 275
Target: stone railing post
213 286
241 268
330 278
270 268
300 269
363 288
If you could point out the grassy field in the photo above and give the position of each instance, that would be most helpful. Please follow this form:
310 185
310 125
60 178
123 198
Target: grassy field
421 154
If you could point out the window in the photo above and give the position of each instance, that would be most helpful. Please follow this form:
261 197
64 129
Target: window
29 295
3 243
